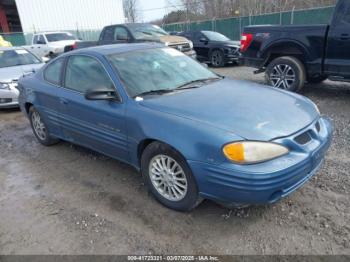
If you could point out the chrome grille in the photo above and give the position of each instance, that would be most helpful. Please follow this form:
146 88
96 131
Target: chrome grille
183 47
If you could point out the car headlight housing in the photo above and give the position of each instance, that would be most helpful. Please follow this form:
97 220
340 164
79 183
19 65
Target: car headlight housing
253 152
5 86
191 44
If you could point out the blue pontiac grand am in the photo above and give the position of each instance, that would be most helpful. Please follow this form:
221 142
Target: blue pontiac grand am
191 133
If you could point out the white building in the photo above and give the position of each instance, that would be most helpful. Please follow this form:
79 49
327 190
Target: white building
31 16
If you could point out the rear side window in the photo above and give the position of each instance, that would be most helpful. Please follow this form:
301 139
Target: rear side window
84 73
53 72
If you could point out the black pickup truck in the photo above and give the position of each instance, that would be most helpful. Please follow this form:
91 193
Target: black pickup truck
290 56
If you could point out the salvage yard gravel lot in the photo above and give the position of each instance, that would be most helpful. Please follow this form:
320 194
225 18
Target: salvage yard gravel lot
66 199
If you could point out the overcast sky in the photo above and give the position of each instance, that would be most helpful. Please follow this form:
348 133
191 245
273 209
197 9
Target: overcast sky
149 15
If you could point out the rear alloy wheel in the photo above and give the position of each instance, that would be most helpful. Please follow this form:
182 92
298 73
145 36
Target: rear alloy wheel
40 129
217 58
169 177
287 73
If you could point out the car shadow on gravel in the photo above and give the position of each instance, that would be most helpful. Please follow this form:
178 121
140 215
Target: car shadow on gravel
9 110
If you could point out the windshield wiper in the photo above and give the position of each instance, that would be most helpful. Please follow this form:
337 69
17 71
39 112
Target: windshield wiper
189 85
155 92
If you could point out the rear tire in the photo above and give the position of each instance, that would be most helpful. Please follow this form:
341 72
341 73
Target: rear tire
287 73
169 177
40 129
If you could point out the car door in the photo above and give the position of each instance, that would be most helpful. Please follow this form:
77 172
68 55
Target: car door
41 46
337 61
99 125
46 95
201 46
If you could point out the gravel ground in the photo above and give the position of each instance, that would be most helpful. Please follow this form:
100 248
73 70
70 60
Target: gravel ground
68 200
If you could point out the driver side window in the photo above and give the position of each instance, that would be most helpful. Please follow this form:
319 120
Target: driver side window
84 73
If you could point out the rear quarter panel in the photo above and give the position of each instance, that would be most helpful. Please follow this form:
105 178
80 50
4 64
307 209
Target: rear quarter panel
284 40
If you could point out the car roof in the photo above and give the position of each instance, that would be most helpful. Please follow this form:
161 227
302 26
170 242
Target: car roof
8 48
117 48
53 32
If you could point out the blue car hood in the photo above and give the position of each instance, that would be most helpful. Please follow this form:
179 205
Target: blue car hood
248 110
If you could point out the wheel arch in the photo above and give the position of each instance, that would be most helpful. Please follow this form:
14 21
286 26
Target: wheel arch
142 145
27 107
283 48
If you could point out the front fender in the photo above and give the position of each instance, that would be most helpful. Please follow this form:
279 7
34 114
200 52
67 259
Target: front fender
195 140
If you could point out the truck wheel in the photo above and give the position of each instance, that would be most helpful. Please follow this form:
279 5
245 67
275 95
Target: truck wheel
217 58
286 73
169 177
316 80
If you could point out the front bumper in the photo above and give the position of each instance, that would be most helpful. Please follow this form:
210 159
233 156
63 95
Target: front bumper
229 58
270 181
9 98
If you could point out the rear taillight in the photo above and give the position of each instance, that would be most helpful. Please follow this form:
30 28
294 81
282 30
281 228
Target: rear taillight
246 40
74 46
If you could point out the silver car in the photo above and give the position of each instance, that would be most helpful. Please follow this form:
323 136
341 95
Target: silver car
14 63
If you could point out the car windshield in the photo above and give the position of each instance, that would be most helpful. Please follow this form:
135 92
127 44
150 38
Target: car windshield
17 57
159 69
215 36
59 37
146 31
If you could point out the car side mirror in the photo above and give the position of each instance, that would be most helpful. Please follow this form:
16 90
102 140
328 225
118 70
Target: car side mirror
102 93
203 40
45 59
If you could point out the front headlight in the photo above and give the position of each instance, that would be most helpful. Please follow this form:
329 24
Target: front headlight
251 152
191 44
5 86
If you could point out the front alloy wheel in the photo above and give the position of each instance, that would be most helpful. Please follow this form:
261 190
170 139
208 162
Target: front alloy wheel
217 58
168 177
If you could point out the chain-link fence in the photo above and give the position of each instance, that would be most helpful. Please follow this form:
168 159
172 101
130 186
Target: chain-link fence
233 27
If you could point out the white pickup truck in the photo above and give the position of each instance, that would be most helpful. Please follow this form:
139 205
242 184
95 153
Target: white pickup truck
51 44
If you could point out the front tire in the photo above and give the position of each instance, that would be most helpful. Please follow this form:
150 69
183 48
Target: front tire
217 58
287 73
40 128
169 177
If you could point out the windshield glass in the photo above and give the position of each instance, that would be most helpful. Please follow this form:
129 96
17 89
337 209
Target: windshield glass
59 37
214 36
157 69
17 57
146 31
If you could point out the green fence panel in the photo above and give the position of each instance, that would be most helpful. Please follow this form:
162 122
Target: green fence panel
316 16
232 27
16 39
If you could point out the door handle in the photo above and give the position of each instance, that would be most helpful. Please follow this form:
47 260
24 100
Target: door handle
344 37
63 101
